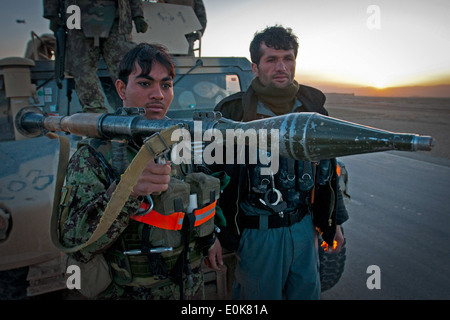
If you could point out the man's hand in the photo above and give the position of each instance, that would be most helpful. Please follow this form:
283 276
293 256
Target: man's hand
339 238
140 24
154 178
214 259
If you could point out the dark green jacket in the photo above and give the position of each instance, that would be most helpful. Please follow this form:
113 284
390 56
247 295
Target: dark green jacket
242 106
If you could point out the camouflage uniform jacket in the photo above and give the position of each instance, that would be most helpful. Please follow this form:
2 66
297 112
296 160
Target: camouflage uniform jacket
128 10
90 183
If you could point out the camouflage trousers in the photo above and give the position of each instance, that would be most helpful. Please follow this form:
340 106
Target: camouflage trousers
82 58
167 290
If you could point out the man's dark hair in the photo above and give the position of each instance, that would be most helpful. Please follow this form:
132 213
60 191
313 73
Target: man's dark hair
145 55
276 37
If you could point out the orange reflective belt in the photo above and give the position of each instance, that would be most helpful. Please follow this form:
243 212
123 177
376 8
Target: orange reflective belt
174 221
204 214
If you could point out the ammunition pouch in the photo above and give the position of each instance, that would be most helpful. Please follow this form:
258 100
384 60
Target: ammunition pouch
95 275
205 186
144 270
174 199
169 209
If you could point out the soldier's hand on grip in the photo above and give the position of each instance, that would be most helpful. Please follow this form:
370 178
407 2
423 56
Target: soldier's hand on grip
154 178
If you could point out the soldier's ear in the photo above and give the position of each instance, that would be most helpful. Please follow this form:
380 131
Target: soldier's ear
121 88
255 69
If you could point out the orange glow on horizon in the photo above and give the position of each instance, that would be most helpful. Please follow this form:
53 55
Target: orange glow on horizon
377 84
376 80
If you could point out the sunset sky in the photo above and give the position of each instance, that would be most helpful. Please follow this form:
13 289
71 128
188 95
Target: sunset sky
342 43
412 45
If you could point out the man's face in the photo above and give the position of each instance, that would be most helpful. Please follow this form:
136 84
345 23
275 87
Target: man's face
276 67
154 91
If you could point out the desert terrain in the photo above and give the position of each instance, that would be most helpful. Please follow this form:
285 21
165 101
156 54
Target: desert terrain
425 116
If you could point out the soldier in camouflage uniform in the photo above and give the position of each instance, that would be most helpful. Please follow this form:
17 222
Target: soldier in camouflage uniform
145 80
200 12
106 27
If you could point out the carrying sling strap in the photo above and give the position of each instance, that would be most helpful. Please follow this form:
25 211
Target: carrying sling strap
63 161
154 146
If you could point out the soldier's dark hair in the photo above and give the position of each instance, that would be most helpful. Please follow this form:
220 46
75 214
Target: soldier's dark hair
145 55
276 37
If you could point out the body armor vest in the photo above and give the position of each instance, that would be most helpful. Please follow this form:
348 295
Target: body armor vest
168 224
97 18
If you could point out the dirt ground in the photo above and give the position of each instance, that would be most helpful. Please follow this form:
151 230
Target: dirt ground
425 116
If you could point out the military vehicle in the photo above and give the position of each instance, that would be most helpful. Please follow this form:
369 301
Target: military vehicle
29 264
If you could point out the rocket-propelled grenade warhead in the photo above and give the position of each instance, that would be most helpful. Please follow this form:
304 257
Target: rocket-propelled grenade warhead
301 136
312 136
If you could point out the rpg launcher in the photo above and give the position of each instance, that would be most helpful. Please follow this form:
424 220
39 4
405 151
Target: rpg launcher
301 136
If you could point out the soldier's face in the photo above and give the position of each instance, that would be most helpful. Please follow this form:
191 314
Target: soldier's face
153 91
276 67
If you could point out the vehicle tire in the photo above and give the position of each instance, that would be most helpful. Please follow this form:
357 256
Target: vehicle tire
13 284
331 266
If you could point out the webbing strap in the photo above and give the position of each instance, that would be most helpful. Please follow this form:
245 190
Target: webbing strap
174 221
63 161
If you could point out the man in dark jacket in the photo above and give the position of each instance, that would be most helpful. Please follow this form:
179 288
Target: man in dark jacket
277 249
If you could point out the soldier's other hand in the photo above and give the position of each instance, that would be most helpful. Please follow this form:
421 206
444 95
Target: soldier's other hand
154 178
214 259
193 36
140 24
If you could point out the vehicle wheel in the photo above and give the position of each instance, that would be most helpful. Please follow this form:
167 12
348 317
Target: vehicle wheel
331 266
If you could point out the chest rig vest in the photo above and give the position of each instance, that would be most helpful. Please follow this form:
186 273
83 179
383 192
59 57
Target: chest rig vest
285 196
172 229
